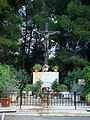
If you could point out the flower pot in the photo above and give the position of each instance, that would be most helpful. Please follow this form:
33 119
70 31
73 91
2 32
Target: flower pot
55 70
36 70
5 102
45 70
44 99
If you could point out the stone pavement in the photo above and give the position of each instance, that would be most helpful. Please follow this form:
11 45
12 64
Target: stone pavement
47 110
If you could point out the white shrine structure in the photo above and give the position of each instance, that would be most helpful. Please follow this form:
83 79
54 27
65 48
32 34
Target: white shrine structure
46 77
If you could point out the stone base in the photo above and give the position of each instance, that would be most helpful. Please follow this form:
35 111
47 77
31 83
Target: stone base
46 77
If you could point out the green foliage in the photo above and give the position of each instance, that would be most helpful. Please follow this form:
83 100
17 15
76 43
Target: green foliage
78 62
10 30
70 17
37 85
55 86
7 79
62 57
74 26
79 14
58 87
56 7
88 97
33 87
75 87
65 22
63 87
86 76
72 78
22 78
28 87
40 19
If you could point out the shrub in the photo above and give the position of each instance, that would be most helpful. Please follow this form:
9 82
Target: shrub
63 87
28 87
55 86
72 78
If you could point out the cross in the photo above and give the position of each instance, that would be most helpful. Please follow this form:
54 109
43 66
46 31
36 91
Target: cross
46 35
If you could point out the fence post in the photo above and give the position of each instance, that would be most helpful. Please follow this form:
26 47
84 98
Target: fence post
20 98
48 98
75 100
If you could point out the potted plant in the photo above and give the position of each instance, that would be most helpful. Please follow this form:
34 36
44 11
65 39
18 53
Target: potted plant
44 96
37 67
88 99
28 90
45 68
55 68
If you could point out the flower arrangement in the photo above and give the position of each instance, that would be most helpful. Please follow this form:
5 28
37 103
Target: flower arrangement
45 67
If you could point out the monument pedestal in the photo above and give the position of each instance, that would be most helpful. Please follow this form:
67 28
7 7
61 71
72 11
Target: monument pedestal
46 77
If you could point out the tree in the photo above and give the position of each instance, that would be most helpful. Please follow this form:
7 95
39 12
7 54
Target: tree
8 80
10 31
67 62
74 25
78 62
19 47
22 78
56 7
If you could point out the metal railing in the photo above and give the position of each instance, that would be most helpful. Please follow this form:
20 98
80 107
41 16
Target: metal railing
54 98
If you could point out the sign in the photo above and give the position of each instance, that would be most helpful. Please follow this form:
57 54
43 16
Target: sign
81 81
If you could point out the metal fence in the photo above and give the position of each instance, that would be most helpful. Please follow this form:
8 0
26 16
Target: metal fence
39 98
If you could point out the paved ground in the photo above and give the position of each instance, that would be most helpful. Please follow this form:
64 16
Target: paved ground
45 113
44 118
29 107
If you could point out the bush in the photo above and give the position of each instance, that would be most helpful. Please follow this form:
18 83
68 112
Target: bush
33 87
28 87
72 78
63 87
55 86
75 87
37 85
